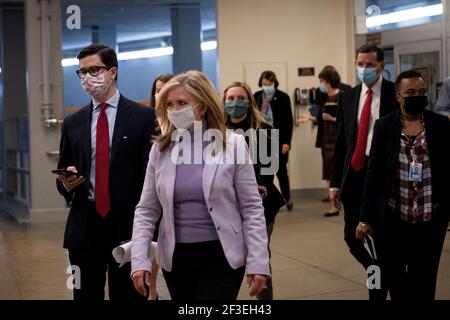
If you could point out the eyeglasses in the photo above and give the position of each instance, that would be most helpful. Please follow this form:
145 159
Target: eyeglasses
93 71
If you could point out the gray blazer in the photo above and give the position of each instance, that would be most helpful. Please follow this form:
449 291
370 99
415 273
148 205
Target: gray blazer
443 101
232 196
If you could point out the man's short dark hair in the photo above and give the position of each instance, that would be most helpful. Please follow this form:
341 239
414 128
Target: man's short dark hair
408 74
368 48
107 55
330 75
268 75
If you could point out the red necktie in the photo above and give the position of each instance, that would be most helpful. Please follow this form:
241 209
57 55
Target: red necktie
102 196
359 155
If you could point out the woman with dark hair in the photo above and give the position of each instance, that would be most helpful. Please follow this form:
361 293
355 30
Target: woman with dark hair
241 114
275 107
327 99
158 83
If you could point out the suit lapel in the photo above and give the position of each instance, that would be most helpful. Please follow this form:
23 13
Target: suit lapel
429 134
353 112
86 136
394 138
210 168
169 168
384 100
209 172
123 112
275 98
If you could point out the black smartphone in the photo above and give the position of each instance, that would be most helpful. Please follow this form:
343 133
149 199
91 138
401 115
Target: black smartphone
65 172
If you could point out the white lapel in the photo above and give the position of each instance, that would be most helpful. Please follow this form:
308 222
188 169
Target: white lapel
169 171
210 168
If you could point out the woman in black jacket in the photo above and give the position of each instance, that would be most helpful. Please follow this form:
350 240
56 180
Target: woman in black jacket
327 97
241 114
275 107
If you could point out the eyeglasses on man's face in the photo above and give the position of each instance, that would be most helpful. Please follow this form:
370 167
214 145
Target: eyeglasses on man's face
93 71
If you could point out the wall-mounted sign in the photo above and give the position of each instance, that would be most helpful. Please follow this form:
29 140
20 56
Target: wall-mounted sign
306 72
374 38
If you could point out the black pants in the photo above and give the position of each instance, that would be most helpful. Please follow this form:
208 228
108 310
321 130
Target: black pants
200 271
283 177
352 208
95 260
411 259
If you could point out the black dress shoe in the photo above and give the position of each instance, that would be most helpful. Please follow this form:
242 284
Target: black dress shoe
331 214
290 206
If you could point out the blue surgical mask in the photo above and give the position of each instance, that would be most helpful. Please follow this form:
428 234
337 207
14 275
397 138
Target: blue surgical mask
322 88
236 108
270 90
367 75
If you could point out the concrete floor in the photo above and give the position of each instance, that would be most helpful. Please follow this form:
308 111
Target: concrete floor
309 259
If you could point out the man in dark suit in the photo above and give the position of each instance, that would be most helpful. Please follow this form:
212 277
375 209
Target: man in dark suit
357 111
406 192
107 144
275 105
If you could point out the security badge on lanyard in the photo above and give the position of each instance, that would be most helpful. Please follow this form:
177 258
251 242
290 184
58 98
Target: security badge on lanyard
415 168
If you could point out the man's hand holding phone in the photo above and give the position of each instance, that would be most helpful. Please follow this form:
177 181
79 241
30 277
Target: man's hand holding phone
70 178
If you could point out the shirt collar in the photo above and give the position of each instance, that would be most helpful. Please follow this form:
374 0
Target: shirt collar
376 87
112 102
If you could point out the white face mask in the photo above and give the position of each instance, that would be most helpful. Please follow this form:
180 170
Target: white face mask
182 119
95 86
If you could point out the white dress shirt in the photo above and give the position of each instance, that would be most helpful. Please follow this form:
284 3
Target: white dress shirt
111 111
375 108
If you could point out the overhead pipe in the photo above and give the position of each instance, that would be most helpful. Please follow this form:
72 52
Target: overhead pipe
46 85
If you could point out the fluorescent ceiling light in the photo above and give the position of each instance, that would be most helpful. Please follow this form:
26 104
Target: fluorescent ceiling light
142 54
69 62
404 15
148 53
208 45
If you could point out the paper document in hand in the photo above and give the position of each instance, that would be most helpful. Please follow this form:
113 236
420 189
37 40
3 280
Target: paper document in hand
369 244
122 253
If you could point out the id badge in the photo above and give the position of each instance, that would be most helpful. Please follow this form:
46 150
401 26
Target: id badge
415 172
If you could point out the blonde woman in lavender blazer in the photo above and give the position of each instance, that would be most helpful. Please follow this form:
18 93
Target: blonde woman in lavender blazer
213 228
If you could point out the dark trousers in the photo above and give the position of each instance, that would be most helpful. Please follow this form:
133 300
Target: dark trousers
283 177
352 208
411 259
94 260
200 271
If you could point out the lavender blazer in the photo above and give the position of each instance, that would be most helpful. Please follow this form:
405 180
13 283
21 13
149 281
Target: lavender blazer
232 196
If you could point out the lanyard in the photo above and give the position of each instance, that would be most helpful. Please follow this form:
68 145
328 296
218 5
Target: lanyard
413 142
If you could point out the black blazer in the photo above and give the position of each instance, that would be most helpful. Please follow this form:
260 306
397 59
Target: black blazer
274 200
131 143
282 114
321 99
347 128
383 162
